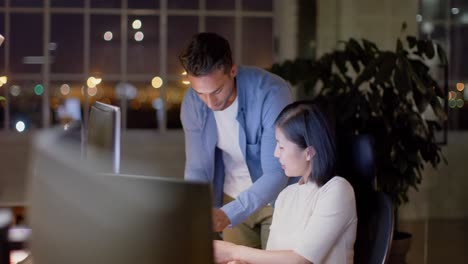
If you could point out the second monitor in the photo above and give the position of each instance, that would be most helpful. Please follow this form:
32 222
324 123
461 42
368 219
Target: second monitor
103 137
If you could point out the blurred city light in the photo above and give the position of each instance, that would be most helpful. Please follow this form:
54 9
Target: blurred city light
92 91
460 86
428 27
93 81
460 103
186 82
15 90
52 46
136 24
452 103
452 95
157 82
39 89
126 90
142 96
65 89
157 104
108 36
135 104
3 80
419 18
106 100
455 10
139 36
20 126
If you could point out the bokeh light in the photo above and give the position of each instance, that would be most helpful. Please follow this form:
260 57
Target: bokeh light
157 82
139 36
20 126
65 89
136 24
108 36
15 90
39 89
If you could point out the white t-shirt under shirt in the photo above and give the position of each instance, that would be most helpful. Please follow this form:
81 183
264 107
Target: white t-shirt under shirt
237 176
317 223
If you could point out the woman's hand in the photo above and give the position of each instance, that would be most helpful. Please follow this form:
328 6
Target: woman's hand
224 251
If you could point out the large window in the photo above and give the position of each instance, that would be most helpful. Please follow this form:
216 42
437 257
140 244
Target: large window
53 48
446 21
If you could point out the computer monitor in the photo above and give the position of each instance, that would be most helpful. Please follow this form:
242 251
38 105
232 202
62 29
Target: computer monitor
103 139
80 216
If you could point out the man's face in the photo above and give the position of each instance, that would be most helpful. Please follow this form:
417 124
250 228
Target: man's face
216 89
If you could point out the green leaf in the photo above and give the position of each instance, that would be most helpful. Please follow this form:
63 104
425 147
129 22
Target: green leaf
411 41
368 71
369 47
399 46
420 68
354 47
355 53
429 49
422 45
386 67
401 78
415 78
442 55
438 110
340 61
421 101
404 26
438 90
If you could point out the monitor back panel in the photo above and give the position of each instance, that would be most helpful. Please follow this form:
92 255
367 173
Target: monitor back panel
78 216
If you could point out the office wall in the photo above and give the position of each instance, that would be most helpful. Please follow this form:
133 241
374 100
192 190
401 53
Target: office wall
443 194
285 29
379 21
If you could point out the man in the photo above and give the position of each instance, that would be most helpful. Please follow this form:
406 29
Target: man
228 117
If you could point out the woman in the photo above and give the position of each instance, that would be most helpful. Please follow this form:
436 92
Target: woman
315 220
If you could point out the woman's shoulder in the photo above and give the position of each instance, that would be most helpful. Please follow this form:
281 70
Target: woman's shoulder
286 191
338 184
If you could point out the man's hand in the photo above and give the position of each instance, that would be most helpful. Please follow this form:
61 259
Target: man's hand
220 220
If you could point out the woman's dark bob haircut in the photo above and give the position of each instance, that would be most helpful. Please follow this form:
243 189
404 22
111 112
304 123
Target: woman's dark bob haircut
304 124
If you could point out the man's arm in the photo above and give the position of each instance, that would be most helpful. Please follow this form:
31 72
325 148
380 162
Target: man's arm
194 170
273 180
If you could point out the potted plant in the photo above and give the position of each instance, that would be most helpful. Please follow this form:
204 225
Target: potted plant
383 94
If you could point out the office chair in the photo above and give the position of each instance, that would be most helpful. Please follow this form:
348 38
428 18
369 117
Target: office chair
375 211
375 229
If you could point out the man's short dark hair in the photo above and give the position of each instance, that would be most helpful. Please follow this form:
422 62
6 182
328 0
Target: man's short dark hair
304 124
205 53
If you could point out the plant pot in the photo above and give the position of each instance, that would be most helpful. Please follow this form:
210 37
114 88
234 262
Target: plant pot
400 246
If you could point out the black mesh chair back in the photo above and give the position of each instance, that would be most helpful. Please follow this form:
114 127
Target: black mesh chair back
374 209
375 229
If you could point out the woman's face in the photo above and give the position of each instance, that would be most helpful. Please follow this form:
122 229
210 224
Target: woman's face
294 160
